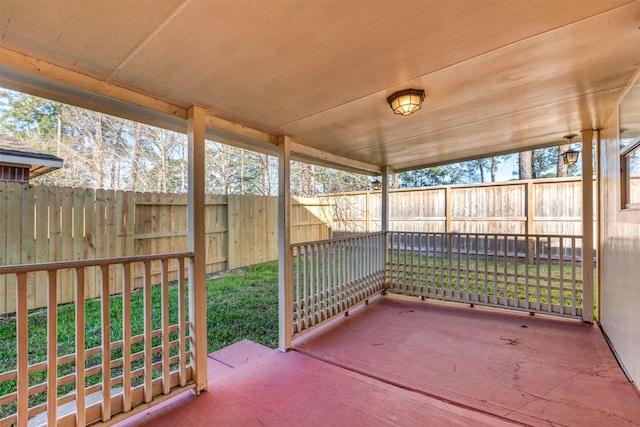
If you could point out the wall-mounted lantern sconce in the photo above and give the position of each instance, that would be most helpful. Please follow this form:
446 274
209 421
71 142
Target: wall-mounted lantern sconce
376 185
406 102
570 157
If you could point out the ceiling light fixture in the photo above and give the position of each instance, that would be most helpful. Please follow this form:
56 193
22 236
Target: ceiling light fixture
406 102
570 157
376 185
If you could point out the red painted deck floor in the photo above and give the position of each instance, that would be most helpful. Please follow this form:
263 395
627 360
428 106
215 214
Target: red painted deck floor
405 362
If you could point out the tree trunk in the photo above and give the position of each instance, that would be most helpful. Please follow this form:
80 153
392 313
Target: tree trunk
307 184
525 165
135 157
481 169
98 151
562 168
494 168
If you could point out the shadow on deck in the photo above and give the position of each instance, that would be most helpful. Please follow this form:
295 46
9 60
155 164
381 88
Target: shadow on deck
401 361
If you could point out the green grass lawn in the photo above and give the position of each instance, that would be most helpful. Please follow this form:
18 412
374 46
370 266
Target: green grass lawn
243 305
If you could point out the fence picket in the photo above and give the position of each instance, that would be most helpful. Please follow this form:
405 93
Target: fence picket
28 241
5 303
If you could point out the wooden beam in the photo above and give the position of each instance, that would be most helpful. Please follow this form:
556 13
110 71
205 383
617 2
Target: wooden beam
587 225
90 84
196 243
41 78
313 155
285 262
239 135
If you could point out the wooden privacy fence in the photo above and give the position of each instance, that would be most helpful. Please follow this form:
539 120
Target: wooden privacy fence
544 206
40 224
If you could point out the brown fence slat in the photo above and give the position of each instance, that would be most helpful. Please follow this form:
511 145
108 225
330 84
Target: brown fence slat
4 307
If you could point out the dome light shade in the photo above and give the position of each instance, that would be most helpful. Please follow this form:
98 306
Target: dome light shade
406 102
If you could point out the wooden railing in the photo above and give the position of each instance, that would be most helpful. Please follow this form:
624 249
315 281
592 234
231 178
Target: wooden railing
111 366
330 276
535 273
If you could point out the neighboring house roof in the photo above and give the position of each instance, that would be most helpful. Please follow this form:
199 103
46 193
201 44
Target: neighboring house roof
15 152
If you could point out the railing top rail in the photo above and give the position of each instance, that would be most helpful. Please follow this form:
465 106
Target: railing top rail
561 236
337 239
46 266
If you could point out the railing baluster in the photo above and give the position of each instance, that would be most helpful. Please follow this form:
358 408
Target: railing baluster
574 312
147 331
496 295
182 329
538 255
458 252
106 344
22 337
126 336
549 287
80 351
477 260
164 279
561 272
338 277
52 348
505 250
442 263
485 248
516 261
305 285
527 259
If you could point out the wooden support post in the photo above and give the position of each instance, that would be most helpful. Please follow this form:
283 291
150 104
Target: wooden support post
368 213
196 233
285 261
384 224
587 226
447 207
598 142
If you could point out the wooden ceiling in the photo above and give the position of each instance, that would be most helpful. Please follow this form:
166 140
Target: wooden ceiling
499 76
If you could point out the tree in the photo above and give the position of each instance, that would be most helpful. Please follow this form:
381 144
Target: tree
525 165
494 168
561 167
29 118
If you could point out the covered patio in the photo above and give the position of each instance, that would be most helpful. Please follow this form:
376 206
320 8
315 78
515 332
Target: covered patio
365 334
401 361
